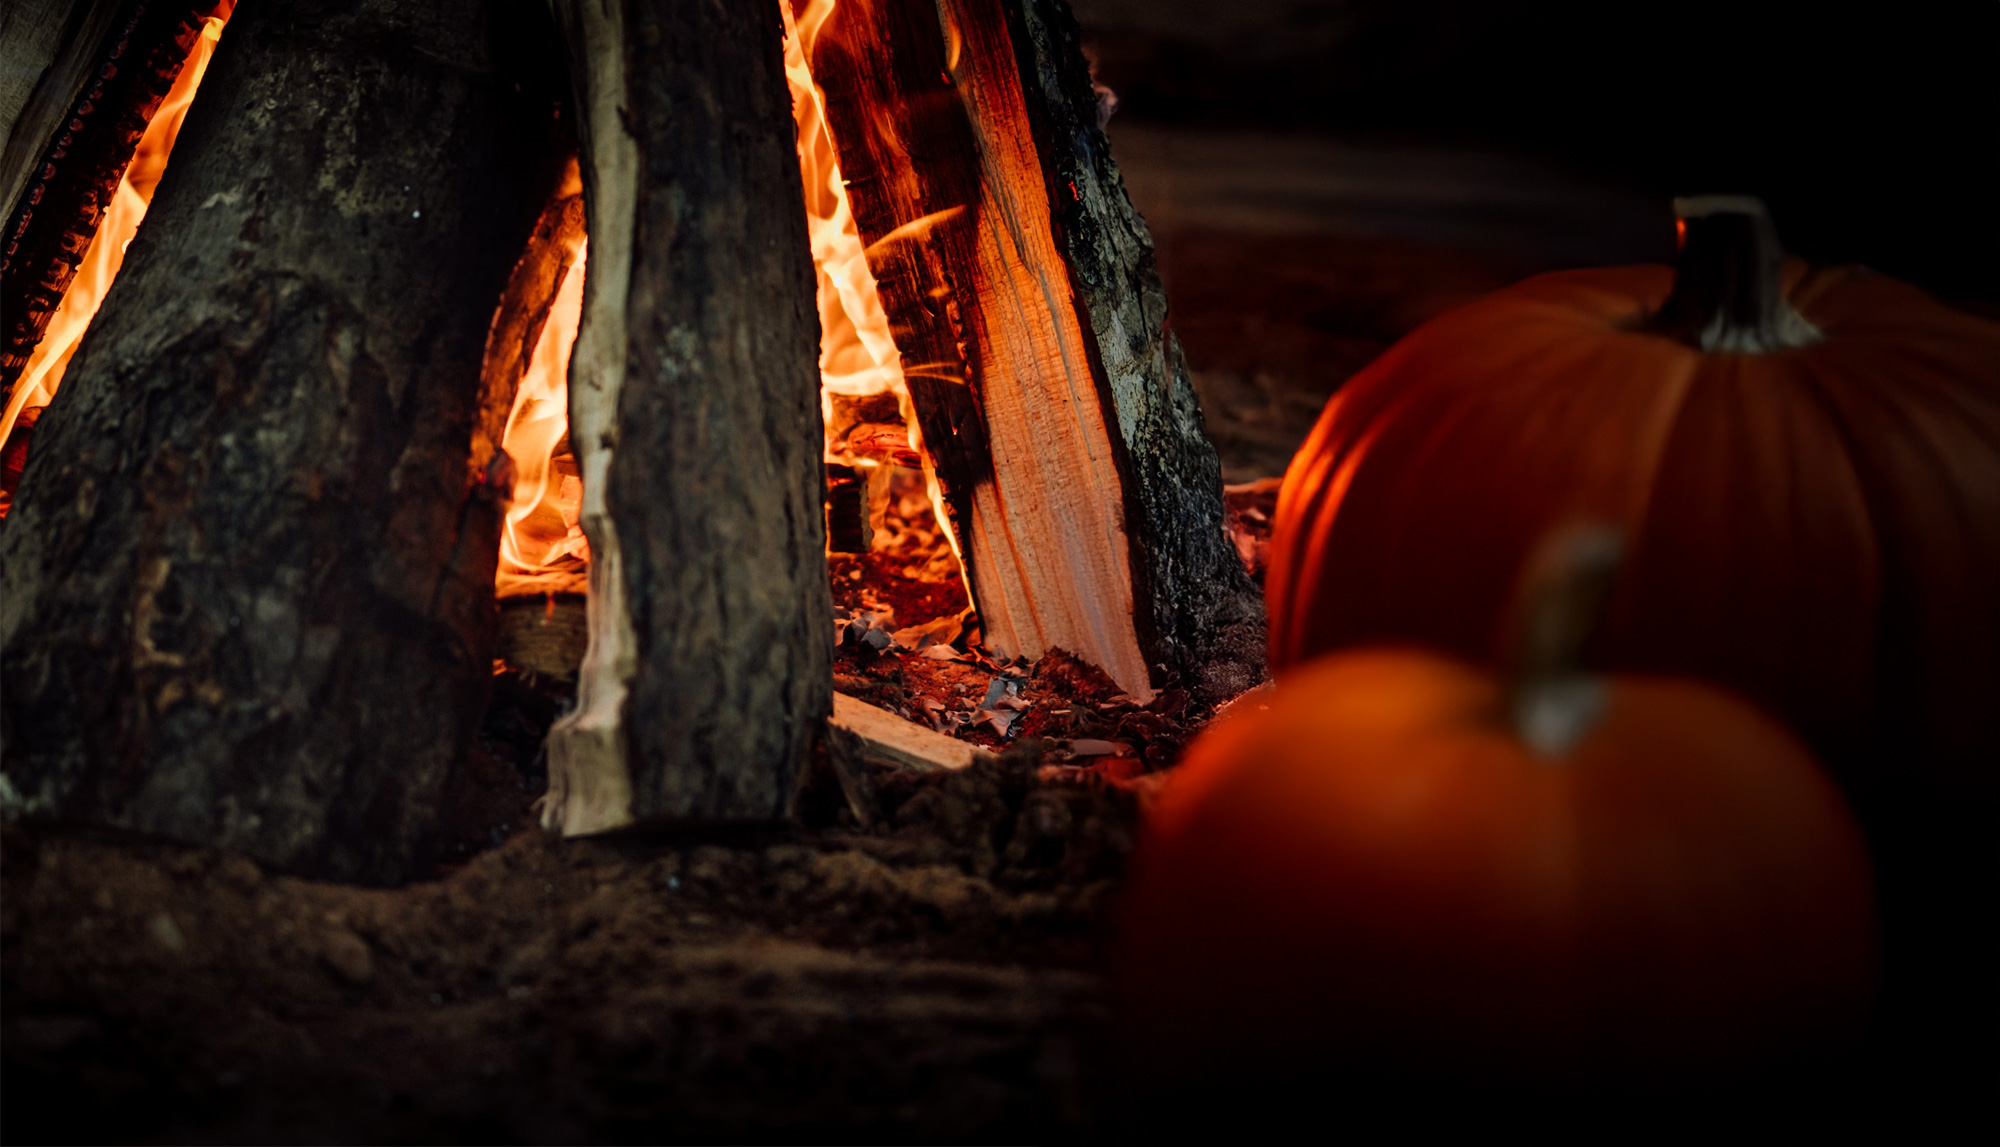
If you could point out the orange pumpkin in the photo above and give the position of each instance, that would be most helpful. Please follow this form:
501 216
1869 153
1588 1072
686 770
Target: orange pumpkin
1376 867
1814 500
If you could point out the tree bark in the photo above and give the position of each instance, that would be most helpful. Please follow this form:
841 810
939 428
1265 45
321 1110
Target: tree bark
1022 292
248 579
694 414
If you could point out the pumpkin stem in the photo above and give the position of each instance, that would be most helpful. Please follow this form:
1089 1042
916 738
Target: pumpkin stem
1552 701
1727 295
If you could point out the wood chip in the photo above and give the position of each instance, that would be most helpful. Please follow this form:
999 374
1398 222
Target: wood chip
877 736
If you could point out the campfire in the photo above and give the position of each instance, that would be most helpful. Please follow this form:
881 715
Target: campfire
886 379
557 553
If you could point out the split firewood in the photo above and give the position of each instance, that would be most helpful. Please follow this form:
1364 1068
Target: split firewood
873 734
862 737
1049 389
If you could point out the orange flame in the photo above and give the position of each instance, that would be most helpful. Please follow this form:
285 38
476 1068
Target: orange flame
542 549
858 355
46 363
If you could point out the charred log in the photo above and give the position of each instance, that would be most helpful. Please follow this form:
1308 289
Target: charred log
694 415
1022 293
248 576
911 167
68 146
49 51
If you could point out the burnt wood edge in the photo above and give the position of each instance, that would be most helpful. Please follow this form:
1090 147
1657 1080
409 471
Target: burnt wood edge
51 226
73 58
61 72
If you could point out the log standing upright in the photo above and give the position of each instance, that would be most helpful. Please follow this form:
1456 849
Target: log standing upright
1033 327
248 581
694 414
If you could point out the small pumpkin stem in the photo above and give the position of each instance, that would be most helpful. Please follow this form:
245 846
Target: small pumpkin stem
1551 700
1727 294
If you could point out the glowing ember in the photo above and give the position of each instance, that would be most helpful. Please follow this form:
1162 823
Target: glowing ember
910 537
542 549
44 370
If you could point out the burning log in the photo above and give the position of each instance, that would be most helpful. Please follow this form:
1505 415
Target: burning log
105 67
693 414
248 578
1021 290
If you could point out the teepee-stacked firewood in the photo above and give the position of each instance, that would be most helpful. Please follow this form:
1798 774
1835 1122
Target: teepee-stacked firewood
249 572
1032 329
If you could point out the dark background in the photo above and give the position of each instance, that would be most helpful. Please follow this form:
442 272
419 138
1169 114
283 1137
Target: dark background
1870 130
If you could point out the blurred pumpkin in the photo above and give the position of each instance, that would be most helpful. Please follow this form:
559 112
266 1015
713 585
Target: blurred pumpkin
1397 861
1807 463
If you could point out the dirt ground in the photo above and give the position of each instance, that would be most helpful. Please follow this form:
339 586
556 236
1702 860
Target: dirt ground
933 979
